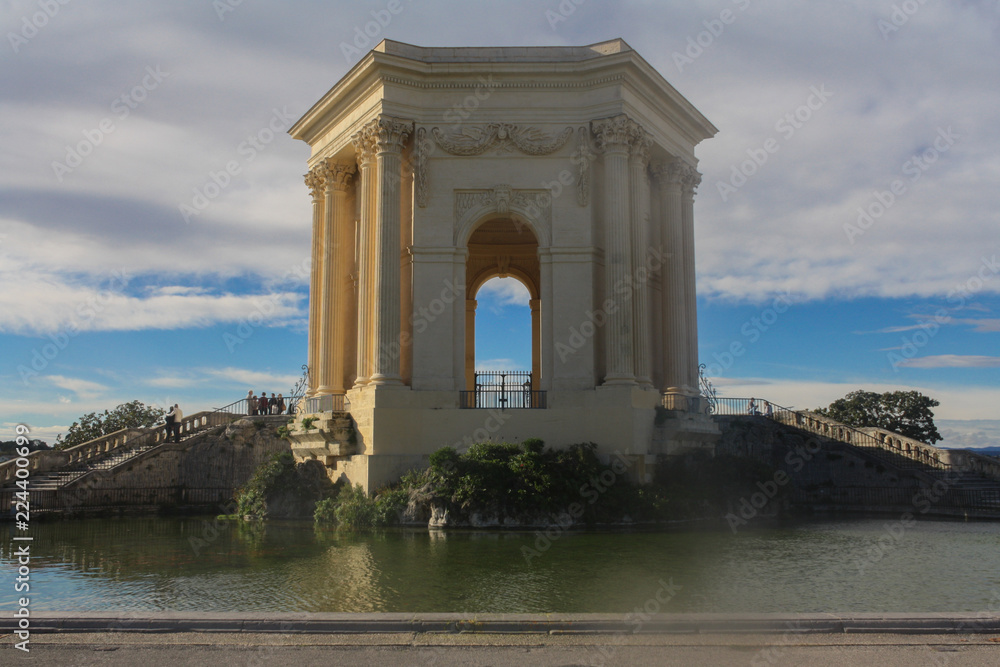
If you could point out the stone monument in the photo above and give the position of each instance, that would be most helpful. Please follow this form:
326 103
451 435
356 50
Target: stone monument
432 170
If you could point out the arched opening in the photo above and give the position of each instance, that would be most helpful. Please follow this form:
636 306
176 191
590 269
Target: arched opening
501 248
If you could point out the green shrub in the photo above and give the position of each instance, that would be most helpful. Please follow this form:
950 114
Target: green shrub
354 509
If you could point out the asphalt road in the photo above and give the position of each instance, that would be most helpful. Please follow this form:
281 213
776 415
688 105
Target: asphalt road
501 650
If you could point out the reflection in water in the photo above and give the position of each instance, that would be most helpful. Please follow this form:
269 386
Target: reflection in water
198 565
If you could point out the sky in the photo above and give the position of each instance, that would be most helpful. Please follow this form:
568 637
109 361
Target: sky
847 221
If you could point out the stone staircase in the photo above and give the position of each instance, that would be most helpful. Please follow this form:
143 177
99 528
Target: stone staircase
51 471
959 469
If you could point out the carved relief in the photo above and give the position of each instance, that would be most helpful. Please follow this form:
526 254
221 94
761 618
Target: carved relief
502 198
476 140
420 168
586 155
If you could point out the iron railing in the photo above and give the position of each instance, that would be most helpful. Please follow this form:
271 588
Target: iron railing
240 407
503 390
326 403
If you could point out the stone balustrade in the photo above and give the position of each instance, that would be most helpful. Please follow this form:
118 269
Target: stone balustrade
98 448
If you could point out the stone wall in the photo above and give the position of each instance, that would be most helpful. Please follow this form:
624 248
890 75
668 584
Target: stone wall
204 469
811 461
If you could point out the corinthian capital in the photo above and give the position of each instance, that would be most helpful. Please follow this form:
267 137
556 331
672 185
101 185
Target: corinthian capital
670 172
390 133
640 144
613 133
690 180
364 143
315 181
337 174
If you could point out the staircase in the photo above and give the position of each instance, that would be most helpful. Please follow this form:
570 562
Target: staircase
53 470
959 469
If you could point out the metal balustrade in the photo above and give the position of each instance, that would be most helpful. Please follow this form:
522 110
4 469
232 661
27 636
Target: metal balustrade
503 390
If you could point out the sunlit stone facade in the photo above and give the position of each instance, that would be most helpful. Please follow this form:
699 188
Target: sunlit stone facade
571 169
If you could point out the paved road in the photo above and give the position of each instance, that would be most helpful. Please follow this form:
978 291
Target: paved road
502 650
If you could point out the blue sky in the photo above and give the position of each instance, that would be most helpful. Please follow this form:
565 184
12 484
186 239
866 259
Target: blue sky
847 222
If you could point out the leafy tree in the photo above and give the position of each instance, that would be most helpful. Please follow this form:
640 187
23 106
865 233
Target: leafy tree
11 446
905 412
134 414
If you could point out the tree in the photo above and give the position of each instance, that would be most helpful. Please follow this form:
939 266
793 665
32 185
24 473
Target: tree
134 414
905 412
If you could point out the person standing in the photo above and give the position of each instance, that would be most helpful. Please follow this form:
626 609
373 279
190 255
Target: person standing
176 425
169 419
272 404
251 403
262 403
280 410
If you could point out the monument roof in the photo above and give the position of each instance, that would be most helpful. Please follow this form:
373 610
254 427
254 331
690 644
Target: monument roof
512 54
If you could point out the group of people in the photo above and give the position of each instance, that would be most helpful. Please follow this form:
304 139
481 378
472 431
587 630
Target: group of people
752 409
173 419
262 405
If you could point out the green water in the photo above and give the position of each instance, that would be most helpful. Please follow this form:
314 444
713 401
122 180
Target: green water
181 564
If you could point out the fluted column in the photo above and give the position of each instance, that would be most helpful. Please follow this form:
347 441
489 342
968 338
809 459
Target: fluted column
331 349
536 333
470 344
390 135
613 137
315 182
363 146
674 307
690 184
639 187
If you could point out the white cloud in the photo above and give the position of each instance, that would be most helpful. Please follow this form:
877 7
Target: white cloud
504 292
952 361
256 380
964 402
84 389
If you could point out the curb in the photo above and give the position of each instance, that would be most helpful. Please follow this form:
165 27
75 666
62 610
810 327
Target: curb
339 623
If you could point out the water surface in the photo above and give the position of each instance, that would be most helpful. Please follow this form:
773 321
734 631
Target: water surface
185 564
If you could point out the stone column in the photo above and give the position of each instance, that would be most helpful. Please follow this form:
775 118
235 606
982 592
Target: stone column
315 182
674 308
363 145
547 324
536 352
613 138
390 135
690 183
336 216
639 188
470 344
